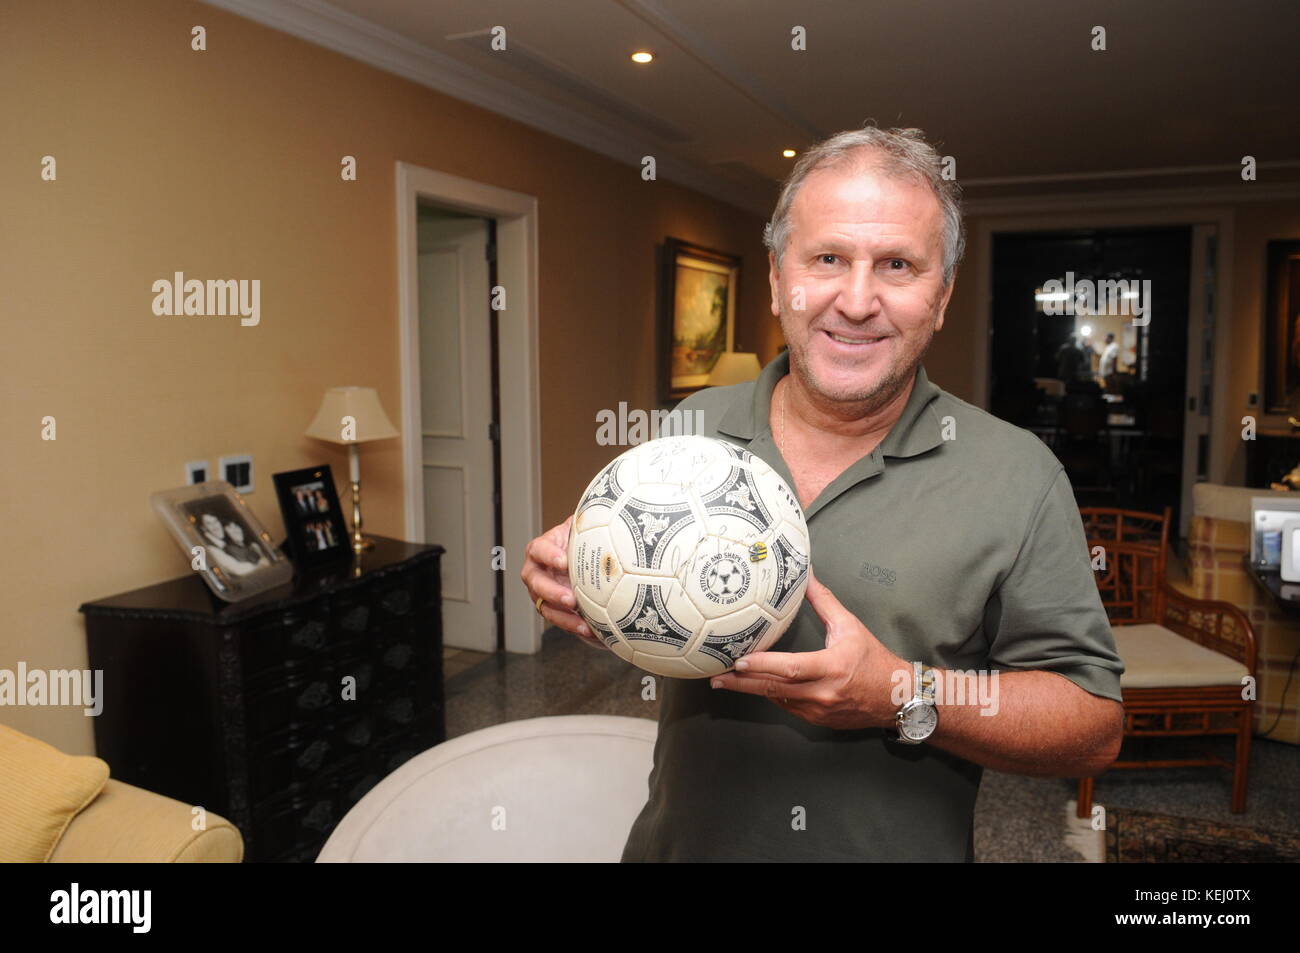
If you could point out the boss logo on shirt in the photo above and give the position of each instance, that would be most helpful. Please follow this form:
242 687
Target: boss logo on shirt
877 574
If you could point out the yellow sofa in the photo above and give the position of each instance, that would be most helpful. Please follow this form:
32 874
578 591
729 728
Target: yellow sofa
1219 538
63 809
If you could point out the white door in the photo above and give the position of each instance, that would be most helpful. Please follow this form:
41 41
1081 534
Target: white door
456 409
1200 368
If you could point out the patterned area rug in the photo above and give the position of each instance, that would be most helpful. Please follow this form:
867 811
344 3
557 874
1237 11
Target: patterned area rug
1137 837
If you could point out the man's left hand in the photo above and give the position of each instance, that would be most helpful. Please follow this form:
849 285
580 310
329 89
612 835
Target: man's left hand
848 685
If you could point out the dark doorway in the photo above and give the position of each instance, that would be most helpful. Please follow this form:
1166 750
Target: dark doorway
1100 381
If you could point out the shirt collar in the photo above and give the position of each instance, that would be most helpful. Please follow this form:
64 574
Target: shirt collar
916 430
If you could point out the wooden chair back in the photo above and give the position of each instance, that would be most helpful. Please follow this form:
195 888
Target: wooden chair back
1134 546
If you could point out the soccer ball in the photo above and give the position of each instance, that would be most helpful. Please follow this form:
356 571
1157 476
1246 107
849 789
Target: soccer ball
686 553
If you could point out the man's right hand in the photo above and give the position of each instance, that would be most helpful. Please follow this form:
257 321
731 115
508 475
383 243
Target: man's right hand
546 576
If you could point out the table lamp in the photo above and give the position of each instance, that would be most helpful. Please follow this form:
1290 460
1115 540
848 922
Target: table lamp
352 416
733 367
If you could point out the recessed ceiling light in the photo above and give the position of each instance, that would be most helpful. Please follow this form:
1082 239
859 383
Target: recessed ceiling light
642 56
789 153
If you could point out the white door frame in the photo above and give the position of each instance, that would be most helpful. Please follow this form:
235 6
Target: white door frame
521 489
1063 214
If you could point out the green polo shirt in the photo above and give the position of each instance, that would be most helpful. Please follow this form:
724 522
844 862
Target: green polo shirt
957 542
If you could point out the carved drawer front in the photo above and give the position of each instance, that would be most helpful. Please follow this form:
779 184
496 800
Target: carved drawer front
301 817
395 598
352 618
355 732
355 677
287 641
405 646
403 708
292 703
293 758
397 665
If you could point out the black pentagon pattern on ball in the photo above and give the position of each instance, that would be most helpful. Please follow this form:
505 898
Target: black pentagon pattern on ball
739 497
791 566
653 527
604 487
726 649
724 578
604 632
649 621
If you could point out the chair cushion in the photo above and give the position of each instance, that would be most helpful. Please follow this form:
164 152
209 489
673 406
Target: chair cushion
1155 657
41 791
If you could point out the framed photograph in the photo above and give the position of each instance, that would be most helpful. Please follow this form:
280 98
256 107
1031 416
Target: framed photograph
697 314
224 541
315 533
1281 350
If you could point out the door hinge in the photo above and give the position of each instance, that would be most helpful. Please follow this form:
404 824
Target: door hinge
491 251
494 432
497 606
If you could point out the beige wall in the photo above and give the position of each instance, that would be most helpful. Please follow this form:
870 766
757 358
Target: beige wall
225 164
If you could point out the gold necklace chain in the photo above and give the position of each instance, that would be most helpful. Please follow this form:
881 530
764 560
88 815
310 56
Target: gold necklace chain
781 443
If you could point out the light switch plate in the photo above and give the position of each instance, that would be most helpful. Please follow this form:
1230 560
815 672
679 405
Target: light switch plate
237 470
196 471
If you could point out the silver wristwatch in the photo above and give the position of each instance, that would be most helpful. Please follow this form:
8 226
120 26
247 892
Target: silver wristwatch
918 718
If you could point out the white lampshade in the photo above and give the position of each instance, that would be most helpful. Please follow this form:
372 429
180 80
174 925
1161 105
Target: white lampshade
734 367
361 404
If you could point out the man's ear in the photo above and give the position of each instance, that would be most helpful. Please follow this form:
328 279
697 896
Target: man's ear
943 302
774 280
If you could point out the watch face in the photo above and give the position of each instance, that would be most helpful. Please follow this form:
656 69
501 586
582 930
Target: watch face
920 722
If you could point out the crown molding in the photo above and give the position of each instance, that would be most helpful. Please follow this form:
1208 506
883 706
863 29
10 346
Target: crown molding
1231 168
1133 198
327 26
334 29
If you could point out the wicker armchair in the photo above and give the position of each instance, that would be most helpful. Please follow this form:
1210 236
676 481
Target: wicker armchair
1185 659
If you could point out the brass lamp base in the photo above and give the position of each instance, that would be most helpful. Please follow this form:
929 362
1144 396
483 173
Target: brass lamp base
359 543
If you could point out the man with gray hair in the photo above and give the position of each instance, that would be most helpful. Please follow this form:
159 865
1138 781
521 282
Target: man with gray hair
947 553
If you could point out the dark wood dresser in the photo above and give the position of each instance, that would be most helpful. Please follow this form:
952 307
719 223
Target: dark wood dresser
243 709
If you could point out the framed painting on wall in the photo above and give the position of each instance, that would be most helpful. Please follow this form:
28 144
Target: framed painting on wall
1281 346
697 314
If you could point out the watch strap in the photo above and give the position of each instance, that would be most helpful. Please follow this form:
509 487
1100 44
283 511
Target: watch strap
925 683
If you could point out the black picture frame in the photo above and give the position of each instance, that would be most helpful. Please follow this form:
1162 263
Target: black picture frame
722 269
326 542
1280 353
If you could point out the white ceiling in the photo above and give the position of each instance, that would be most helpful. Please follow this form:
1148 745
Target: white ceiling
1011 88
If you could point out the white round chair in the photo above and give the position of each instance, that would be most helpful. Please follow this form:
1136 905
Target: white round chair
562 788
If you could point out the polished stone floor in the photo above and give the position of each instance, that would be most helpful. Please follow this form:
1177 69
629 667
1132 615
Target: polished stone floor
566 678
1016 818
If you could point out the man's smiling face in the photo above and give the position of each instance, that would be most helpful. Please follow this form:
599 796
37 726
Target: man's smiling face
867 250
